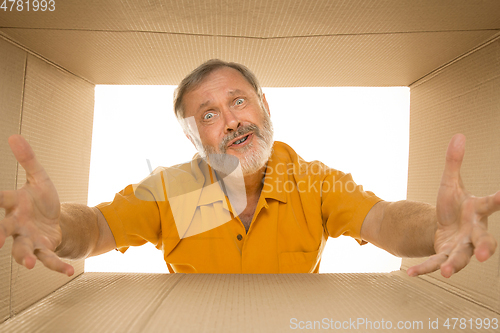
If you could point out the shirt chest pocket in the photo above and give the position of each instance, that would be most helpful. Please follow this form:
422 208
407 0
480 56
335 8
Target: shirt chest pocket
298 262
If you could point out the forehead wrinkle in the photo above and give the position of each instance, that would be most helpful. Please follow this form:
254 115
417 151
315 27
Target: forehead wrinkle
230 93
202 105
235 92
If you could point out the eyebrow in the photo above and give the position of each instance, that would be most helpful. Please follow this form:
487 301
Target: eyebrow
230 93
235 92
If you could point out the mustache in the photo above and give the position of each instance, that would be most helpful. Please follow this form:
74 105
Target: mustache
239 132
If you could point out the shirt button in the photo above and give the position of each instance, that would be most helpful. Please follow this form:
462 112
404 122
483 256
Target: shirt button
240 237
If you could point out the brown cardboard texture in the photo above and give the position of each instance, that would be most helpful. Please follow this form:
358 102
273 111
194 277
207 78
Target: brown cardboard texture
447 52
36 98
12 64
62 141
330 43
468 103
245 303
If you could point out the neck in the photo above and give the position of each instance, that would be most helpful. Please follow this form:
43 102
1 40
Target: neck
244 205
254 182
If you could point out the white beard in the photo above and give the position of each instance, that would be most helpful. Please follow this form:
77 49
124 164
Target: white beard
251 162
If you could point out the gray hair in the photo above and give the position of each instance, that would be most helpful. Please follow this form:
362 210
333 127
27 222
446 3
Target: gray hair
193 80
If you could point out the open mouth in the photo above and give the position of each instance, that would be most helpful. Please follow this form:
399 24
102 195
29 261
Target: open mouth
240 140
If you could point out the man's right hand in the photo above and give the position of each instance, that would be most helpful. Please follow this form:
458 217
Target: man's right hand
32 214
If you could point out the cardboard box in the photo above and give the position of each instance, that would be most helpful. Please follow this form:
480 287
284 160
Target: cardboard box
447 52
122 302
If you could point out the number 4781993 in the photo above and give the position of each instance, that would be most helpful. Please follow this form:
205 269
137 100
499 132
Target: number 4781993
28 5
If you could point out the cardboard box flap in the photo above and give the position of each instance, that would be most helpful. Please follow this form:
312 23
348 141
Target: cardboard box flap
151 58
122 302
56 110
290 44
257 19
12 71
243 303
461 98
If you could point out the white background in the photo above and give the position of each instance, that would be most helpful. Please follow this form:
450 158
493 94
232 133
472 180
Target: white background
364 131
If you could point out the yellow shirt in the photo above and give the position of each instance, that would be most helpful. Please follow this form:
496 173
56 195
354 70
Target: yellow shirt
301 204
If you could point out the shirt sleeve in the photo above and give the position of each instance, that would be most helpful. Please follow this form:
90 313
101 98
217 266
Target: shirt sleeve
134 216
344 206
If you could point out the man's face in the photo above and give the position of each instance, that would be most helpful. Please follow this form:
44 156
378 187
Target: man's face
230 119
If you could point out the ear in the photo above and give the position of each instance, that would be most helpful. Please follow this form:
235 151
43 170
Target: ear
186 130
265 104
190 139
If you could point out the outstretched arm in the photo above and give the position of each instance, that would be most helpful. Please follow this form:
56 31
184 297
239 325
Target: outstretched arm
41 227
404 228
451 233
85 232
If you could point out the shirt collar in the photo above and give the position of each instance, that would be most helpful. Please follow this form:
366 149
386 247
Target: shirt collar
273 182
275 177
212 191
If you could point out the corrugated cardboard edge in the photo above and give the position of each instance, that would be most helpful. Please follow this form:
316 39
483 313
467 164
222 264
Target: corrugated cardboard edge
12 81
86 39
468 295
39 56
57 122
18 274
492 300
126 302
438 70
124 299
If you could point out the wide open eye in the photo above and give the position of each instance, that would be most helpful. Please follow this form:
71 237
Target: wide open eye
209 115
239 101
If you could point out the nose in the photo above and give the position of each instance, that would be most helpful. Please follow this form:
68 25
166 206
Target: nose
232 121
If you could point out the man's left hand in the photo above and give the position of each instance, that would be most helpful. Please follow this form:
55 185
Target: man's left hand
462 219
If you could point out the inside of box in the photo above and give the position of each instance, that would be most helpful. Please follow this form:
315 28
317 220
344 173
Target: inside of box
448 54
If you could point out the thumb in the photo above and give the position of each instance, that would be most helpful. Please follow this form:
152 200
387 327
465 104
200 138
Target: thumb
454 157
26 157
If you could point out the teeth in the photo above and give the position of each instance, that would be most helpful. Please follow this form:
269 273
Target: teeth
241 140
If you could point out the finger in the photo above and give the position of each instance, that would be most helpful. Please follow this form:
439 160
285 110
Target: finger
454 157
26 157
484 243
42 242
53 262
488 205
22 251
7 226
8 199
430 265
458 259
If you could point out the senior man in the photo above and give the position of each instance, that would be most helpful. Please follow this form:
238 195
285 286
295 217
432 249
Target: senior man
245 204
